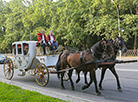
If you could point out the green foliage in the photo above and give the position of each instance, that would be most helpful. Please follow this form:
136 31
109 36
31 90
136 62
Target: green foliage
77 23
11 93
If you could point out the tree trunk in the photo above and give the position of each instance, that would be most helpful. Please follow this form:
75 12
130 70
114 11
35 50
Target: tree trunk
135 41
135 37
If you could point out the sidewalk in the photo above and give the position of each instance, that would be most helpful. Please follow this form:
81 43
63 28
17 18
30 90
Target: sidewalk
128 58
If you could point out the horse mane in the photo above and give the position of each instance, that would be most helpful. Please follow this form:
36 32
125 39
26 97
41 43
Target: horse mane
66 54
97 50
88 51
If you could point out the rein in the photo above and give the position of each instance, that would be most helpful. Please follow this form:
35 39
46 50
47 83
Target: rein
89 62
100 62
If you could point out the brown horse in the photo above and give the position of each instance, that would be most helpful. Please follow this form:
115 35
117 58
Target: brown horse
73 59
118 44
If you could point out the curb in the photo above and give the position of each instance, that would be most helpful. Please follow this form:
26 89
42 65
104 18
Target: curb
47 92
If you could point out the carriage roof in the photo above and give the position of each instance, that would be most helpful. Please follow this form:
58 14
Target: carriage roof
28 42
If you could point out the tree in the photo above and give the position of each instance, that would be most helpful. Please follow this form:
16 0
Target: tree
76 23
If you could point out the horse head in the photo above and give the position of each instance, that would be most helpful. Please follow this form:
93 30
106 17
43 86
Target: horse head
107 46
119 44
103 46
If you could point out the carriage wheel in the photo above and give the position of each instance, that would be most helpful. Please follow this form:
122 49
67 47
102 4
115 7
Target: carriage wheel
8 68
41 74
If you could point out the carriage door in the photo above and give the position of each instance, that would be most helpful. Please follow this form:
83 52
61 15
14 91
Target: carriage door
25 57
21 59
18 54
14 49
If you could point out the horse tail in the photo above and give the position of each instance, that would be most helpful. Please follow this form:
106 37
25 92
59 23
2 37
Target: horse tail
58 65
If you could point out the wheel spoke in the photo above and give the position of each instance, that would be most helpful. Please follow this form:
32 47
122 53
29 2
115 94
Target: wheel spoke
6 69
9 75
38 78
6 66
46 75
38 70
6 73
45 79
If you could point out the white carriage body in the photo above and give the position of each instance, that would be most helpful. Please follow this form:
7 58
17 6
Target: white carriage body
50 60
29 57
28 60
21 59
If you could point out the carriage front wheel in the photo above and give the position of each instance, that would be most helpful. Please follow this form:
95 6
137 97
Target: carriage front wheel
8 68
41 74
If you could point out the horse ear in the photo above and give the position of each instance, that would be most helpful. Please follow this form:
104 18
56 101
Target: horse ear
103 42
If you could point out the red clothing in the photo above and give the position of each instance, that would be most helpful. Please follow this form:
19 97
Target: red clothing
49 38
39 37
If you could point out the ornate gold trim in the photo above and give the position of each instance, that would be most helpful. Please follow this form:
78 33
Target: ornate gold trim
30 65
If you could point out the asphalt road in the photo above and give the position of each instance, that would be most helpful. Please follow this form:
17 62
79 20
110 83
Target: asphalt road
128 75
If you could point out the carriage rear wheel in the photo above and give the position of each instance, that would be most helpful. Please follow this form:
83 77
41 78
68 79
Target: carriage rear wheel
41 74
8 68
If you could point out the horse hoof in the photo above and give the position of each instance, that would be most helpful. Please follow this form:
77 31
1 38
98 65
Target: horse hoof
86 83
98 93
63 88
73 89
100 88
84 87
119 89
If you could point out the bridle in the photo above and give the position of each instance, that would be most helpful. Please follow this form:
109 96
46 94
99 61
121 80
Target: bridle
117 44
103 49
109 51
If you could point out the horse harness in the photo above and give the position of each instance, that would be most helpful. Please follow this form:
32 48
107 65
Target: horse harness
82 59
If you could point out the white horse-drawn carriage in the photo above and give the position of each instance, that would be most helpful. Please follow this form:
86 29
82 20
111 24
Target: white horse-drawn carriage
27 57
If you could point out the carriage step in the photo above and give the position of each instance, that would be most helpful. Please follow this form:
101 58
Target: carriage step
22 74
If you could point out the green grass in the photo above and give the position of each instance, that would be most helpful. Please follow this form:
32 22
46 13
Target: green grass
11 93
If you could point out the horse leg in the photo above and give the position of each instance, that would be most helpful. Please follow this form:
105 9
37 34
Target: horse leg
91 80
85 77
78 77
102 77
117 78
62 85
95 82
70 75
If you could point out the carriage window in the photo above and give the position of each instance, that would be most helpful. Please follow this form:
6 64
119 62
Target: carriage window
14 49
19 49
25 48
